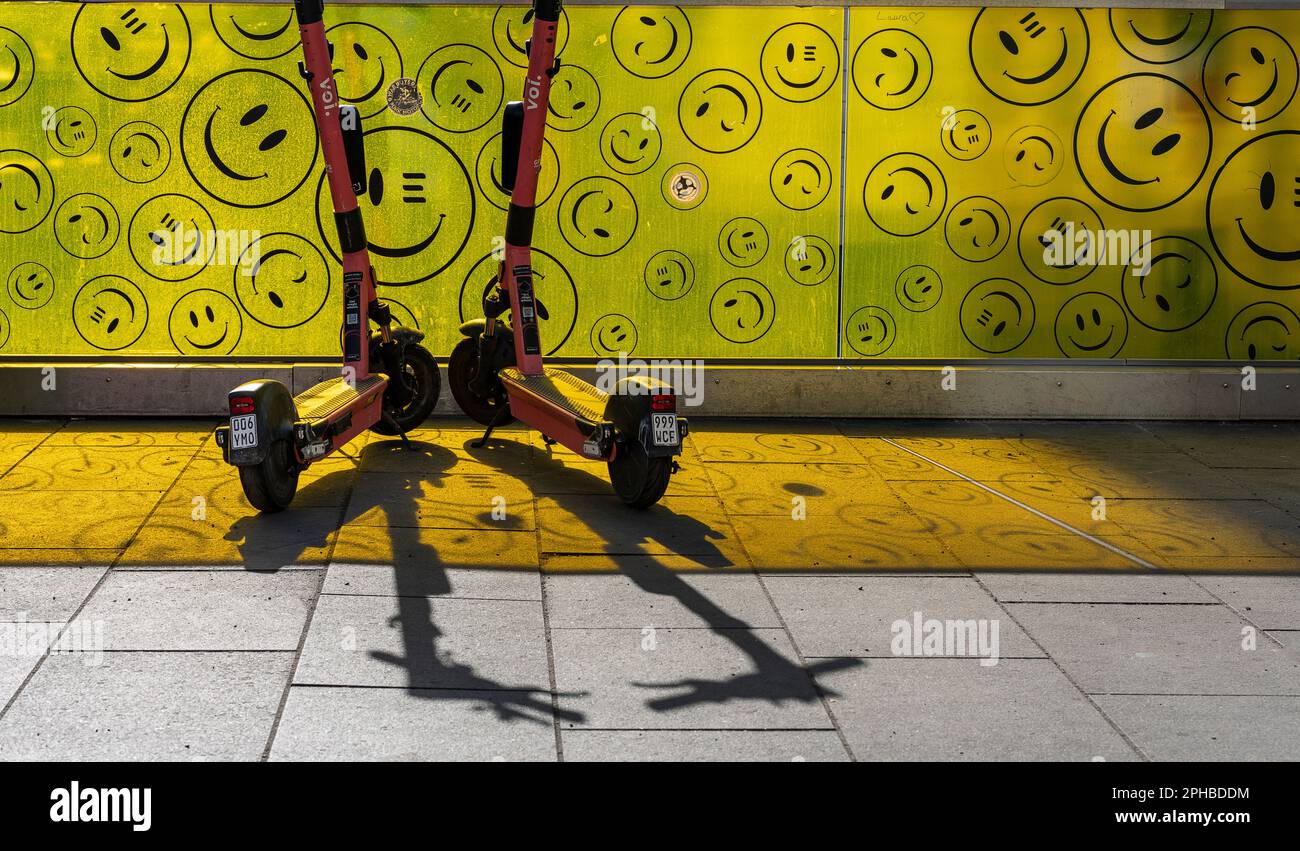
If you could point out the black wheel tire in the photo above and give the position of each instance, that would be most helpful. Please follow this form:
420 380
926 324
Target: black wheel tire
425 383
462 366
270 485
638 479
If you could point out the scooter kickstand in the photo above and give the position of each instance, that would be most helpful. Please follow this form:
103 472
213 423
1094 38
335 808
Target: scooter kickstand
401 432
501 416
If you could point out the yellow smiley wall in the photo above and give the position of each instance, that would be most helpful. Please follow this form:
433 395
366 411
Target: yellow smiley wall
700 193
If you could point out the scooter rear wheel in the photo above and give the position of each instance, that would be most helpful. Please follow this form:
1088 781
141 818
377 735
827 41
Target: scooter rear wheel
462 367
270 485
638 479
421 377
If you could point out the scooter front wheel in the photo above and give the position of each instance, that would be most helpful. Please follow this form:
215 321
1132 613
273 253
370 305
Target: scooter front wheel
638 479
271 485
462 367
420 372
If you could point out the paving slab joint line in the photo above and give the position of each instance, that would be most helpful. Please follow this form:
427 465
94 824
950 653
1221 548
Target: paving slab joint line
1258 629
321 576
798 653
1141 562
1119 731
117 559
546 636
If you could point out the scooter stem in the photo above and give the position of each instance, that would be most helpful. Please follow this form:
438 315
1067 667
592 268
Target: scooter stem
516 269
358 279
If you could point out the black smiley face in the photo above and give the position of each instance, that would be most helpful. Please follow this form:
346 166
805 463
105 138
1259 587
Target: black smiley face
669 275
110 312
139 152
1253 211
26 191
574 100
892 69
1264 331
130 53
487 172
255 32
742 310
613 334
977 229
1170 283
248 138
17 67
997 315
462 88
800 179
743 241
512 27
1033 155
870 331
809 260
630 143
800 62
1091 325
205 322
905 194
86 226
419 205
918 288
282 280
720 111
1160 36
598 216
553 288
651 42
965 135
71 131
1250 74
1142 142
365 62
30 285
171 237
1062 230
1028 58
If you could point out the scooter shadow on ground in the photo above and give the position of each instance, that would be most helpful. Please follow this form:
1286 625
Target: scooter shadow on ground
772 678
419 574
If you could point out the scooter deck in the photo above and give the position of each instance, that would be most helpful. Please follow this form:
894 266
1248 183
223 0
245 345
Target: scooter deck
563 390
329 397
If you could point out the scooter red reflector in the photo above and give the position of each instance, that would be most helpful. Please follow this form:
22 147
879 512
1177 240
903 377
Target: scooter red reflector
241 405
660 402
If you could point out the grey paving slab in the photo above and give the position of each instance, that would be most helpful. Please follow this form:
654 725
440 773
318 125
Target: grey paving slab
379 724
855 615
1270 602
956 709
424 642
658 597
203 610
15 665
702 746
1287 638
430 580
684 679
44 593
142 706
1111 587
1208 727
1160 649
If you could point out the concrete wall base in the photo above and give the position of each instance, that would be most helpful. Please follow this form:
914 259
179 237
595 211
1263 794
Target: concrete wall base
1010 391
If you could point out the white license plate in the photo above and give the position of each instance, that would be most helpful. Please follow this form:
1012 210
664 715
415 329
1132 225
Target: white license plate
243 432
663 429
